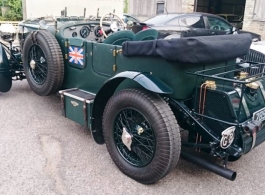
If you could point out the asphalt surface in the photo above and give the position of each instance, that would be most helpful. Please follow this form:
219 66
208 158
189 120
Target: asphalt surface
41 152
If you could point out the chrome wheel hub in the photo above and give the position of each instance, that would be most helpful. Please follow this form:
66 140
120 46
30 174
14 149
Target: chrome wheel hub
126 138
32 64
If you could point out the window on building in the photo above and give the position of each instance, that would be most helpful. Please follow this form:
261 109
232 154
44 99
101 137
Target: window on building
259 10
160 6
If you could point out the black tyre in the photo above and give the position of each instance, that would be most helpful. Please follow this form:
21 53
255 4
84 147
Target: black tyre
5 82
43 62
141 134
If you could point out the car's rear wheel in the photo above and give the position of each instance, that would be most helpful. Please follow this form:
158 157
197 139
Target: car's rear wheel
43 62
141 135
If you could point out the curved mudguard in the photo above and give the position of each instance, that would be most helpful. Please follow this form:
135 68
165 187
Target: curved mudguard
5 75
146 80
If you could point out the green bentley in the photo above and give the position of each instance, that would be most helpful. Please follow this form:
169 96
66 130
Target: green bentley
136 93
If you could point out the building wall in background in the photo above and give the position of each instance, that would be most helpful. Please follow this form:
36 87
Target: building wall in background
144 9
42 8
250 23
187 5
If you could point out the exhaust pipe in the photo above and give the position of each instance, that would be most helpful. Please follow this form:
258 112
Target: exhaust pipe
215 168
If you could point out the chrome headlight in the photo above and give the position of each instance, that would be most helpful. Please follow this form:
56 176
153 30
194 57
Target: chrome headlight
7 32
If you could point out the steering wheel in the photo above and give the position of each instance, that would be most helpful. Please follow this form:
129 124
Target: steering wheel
114 25
216 27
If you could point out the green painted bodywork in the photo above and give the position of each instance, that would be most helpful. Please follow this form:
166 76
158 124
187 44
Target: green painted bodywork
101 65
106 70
99 62
74 112
4 64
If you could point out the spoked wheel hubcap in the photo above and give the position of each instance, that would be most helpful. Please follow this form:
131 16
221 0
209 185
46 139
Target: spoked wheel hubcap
134 137
38 68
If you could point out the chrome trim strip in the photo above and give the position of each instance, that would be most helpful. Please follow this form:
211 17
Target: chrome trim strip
89 101
75 97
231 92
67 90
64 92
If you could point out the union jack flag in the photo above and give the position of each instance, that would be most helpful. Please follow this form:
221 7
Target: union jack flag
76 55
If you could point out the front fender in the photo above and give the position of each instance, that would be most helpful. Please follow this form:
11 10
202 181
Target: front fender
146 80
4 63
5 76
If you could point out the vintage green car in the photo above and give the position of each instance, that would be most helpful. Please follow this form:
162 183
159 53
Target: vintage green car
136 93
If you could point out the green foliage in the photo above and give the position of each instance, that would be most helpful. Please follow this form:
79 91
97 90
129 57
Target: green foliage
125 5
15 12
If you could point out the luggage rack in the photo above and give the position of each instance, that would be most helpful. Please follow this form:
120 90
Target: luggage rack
229 78
254 72
254 56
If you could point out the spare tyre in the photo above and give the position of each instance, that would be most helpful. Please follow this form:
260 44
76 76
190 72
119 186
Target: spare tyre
43 62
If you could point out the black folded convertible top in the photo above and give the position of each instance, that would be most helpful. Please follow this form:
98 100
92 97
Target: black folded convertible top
205 49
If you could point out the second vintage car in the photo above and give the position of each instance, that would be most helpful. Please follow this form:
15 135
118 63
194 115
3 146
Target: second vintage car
191 24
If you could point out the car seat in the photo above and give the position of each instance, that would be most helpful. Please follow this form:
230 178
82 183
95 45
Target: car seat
119 37
148 34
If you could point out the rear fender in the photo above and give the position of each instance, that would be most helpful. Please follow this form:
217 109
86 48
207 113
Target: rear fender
146 80
5 75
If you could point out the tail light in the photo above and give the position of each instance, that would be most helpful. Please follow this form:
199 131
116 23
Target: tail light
145 27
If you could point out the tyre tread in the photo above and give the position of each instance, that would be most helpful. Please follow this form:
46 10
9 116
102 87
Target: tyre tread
54 59
168 134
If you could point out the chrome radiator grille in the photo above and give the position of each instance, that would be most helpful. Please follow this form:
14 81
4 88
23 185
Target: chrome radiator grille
255 62
254 56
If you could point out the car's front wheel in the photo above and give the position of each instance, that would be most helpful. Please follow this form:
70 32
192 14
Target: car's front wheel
141 135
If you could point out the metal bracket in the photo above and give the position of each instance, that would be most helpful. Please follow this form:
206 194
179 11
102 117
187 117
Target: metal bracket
254 138
261 88
115 52
85 113
114 67
62 99
244 103
62 104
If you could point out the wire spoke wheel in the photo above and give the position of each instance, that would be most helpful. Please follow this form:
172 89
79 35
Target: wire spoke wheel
141 134
43 62
143 138
37 64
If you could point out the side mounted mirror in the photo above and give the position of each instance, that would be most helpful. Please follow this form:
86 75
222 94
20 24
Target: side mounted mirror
234 30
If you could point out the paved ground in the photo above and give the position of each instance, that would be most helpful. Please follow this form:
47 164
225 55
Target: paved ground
41 152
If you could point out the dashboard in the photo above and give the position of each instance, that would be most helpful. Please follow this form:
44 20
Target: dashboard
89 31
